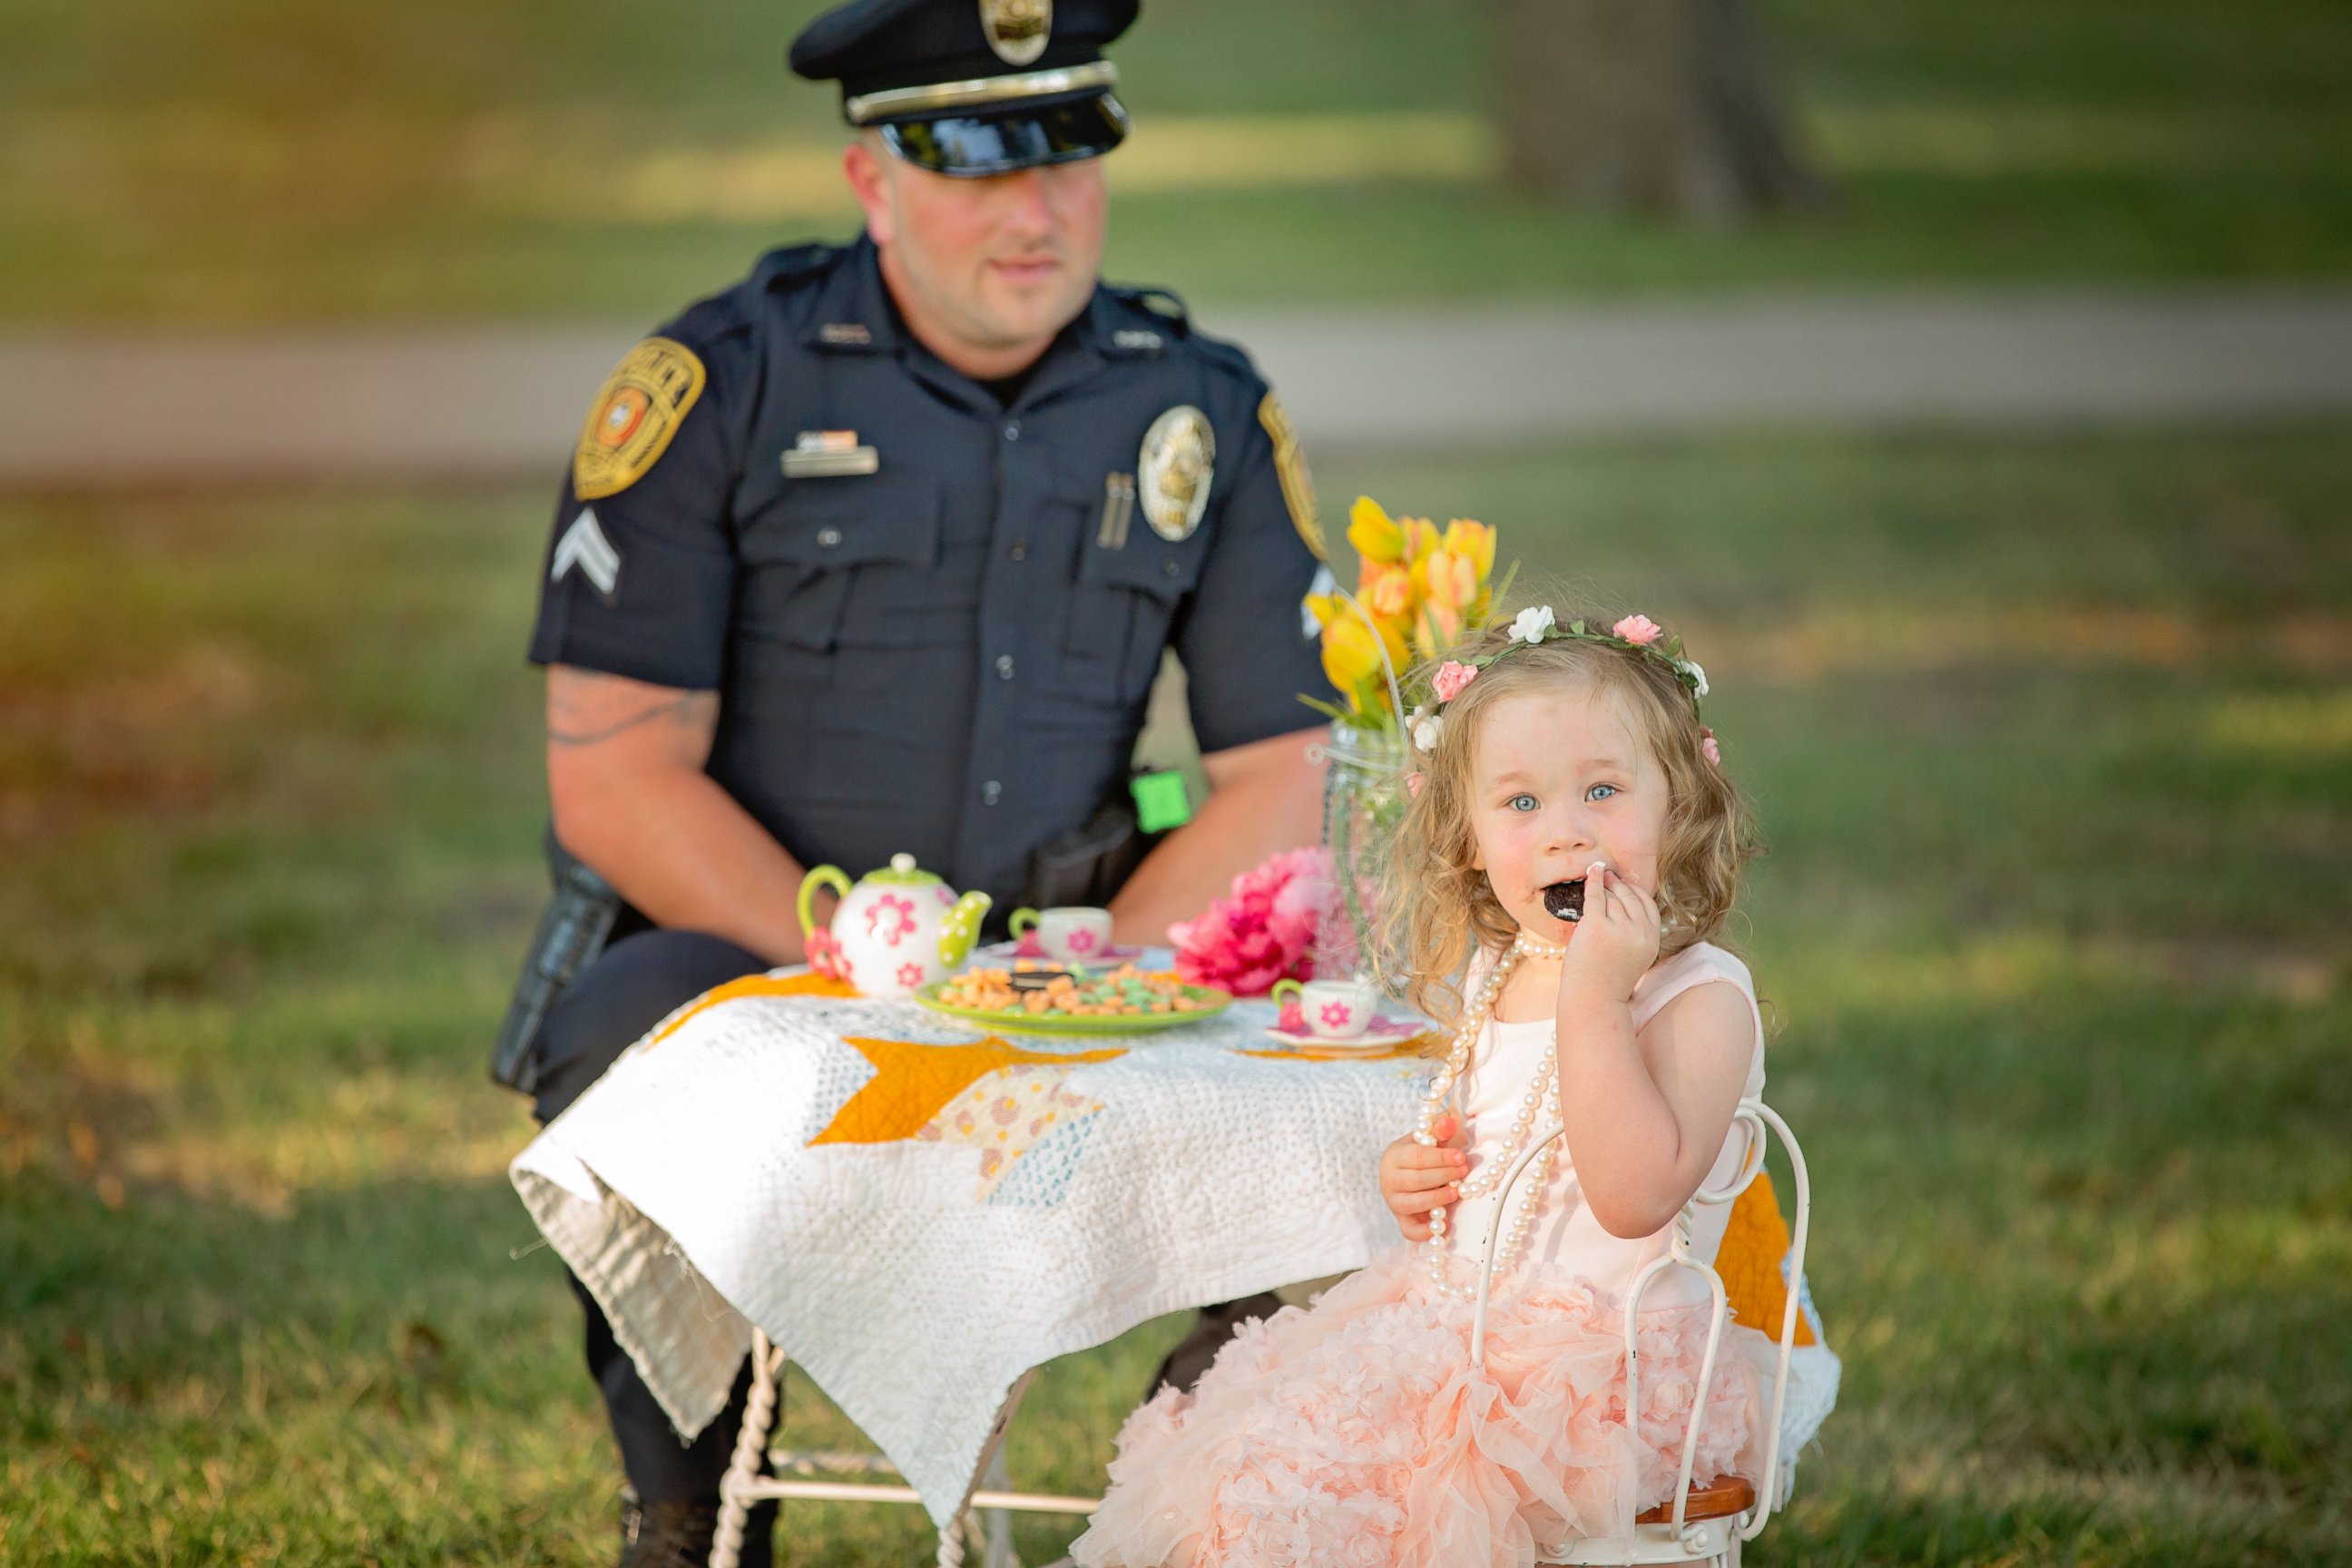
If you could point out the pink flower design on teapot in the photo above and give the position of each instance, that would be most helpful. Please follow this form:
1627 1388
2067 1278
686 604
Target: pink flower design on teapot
896 929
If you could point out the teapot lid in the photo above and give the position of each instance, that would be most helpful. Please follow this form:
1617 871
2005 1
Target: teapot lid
902 873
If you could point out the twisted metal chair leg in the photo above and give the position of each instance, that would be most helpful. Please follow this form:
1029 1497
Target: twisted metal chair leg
750 1443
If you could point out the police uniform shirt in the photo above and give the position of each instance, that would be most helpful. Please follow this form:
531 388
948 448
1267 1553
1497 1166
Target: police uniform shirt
933 620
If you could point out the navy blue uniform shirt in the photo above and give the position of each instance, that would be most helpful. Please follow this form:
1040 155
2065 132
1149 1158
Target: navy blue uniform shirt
932 620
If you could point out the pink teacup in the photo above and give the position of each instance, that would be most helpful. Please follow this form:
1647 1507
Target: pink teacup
1072 934
1335 1009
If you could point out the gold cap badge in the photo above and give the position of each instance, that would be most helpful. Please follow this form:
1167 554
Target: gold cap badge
1179 459
1017 29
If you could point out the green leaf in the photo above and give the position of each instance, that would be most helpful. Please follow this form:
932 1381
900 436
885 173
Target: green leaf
1328 710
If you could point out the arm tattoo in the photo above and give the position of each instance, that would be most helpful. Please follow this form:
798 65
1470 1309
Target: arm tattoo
691 708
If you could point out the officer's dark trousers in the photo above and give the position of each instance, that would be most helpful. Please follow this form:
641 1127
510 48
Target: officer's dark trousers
637 981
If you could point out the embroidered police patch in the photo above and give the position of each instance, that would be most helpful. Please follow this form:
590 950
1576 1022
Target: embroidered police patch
632 419
1290 467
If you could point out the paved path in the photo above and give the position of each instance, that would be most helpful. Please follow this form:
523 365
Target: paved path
505 401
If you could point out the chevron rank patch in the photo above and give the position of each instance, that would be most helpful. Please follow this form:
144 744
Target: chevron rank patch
632 419
583 546
1290 467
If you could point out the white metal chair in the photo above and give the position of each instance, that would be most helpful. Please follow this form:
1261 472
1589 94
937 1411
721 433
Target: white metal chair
984 1521
1708 1521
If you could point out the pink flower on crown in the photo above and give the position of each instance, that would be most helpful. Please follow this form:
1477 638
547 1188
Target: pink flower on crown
1452 677
1639 630
1709 748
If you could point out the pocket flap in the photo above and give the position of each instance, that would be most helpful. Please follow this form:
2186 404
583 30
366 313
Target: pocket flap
1148 564
822 525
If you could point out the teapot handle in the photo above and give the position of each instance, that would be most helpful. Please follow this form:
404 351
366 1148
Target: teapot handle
832 877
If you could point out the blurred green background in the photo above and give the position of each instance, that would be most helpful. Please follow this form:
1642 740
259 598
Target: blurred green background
2052 734
265 160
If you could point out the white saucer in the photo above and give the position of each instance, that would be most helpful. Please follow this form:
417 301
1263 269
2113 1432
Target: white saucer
1385 1035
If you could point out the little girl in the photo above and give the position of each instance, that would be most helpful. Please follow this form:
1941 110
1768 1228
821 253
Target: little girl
1571 848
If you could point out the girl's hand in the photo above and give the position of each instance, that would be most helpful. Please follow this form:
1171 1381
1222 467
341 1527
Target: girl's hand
1616 941
1415 1180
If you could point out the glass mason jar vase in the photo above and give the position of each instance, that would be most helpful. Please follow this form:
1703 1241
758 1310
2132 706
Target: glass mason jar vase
1364 804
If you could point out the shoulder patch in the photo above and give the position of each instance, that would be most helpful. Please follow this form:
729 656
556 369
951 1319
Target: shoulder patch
1290 467
630 425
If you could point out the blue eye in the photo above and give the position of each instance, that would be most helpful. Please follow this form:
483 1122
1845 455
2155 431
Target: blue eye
1601 792
1521 803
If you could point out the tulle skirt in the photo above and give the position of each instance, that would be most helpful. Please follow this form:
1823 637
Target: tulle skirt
1355 1435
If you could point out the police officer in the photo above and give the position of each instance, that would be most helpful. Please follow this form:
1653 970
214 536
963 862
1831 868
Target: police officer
879 550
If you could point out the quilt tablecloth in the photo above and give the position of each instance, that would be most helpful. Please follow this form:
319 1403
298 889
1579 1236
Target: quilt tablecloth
918 1211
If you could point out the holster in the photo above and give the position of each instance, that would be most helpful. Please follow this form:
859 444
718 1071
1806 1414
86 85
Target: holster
572 931
1089 865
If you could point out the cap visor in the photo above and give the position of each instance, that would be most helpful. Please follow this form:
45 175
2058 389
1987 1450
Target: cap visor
1027 137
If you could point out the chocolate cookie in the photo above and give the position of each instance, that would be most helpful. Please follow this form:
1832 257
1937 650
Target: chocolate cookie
1565 900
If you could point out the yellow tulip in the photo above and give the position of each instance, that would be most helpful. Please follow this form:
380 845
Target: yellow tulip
1472 541
1420 538
1373 535
1324 608
1399 655
1352 656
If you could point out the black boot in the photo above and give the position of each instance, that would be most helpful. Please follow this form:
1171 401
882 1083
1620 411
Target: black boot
1218 1325
680 1534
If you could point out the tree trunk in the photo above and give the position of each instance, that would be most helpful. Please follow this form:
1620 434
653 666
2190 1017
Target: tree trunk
1656 105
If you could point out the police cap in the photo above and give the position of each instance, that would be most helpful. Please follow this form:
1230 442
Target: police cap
972 88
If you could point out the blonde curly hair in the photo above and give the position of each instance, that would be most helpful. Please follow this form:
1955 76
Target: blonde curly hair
1438 910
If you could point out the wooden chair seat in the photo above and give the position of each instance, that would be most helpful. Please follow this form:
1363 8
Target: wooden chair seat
1719 1499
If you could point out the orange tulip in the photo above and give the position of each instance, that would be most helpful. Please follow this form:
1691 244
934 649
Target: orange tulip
1387 592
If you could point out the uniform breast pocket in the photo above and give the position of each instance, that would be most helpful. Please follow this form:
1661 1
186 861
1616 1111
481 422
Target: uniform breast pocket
1120 610
848 563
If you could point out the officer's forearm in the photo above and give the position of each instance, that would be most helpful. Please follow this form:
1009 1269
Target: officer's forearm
1263 798
625 777
679 848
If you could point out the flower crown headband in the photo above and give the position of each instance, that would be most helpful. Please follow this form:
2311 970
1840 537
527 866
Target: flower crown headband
1637 634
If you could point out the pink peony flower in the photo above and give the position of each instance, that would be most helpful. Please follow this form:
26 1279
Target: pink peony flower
1263 931
1639 630
1452 677
1709 748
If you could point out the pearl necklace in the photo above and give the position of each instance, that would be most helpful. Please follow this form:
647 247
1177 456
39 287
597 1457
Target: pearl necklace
1542 1095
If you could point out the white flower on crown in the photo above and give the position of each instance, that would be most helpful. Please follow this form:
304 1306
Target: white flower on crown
1426 728
1690 667
1532 624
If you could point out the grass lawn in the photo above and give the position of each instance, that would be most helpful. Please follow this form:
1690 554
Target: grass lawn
2053 742
246 161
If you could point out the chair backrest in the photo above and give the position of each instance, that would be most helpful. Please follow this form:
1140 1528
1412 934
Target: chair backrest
1761 1122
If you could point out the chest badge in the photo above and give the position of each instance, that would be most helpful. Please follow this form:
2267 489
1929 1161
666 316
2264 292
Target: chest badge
1017 29
1172 477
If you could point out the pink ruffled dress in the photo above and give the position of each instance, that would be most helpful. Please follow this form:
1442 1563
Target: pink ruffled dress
1355 1434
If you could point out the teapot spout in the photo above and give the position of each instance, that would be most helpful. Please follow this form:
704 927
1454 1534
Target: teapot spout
960 928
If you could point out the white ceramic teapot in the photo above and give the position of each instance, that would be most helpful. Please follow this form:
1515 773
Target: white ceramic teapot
896 929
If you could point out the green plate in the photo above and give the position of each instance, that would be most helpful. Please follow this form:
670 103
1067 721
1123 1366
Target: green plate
1063 1024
